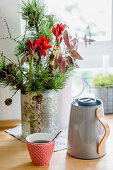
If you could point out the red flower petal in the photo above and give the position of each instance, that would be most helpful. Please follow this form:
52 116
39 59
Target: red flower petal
58 30
39 46
54 30
42 52
30 44
35 44
42 45
41 40
47 40
47 47
62 27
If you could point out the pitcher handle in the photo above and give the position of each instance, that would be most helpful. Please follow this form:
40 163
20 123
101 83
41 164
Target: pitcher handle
106 128
83 86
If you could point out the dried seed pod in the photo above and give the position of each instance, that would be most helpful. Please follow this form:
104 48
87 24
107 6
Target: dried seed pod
39 98
34 98
10 65
10 78
19 86
3 74
23 91
39 95
8 101
6 70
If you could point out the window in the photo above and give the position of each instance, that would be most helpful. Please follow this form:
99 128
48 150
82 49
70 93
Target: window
87 16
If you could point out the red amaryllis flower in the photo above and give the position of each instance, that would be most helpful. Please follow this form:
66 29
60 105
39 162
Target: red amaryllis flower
58 31
32 46
42 45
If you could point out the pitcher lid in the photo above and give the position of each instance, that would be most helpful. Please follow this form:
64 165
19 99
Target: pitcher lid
87 101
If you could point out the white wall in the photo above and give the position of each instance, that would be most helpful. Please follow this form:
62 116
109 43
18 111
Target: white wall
9 112
9 10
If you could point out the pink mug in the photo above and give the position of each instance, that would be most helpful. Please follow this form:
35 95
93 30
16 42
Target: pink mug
39 151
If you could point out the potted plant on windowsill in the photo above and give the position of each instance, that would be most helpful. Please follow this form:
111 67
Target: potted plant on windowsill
103 86
46 54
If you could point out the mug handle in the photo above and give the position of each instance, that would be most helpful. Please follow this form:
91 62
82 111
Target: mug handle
106 128
83 86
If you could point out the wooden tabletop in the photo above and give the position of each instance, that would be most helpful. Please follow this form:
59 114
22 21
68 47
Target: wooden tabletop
14 156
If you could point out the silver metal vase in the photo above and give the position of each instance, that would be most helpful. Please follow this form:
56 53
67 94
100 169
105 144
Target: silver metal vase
42 117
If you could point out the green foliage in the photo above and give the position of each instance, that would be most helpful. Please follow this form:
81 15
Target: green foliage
40 81
1 80
58 81
38 24
34 13
2 67
2 63
12 70
22 47
43 80
41 74
46 31
101 80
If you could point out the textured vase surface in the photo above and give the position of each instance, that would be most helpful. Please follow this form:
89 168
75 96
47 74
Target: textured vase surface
40 117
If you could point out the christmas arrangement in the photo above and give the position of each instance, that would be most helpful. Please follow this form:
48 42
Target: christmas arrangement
46 53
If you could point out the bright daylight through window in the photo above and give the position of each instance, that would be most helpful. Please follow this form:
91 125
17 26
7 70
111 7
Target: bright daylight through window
89 16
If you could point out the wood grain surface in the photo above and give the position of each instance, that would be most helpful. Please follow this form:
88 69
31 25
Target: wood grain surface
14 155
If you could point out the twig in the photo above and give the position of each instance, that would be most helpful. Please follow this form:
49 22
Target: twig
14 94
17 37
4 38
14 64
25 26
10 36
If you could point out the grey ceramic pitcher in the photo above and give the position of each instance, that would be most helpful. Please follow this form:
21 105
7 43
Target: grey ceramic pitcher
88 129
